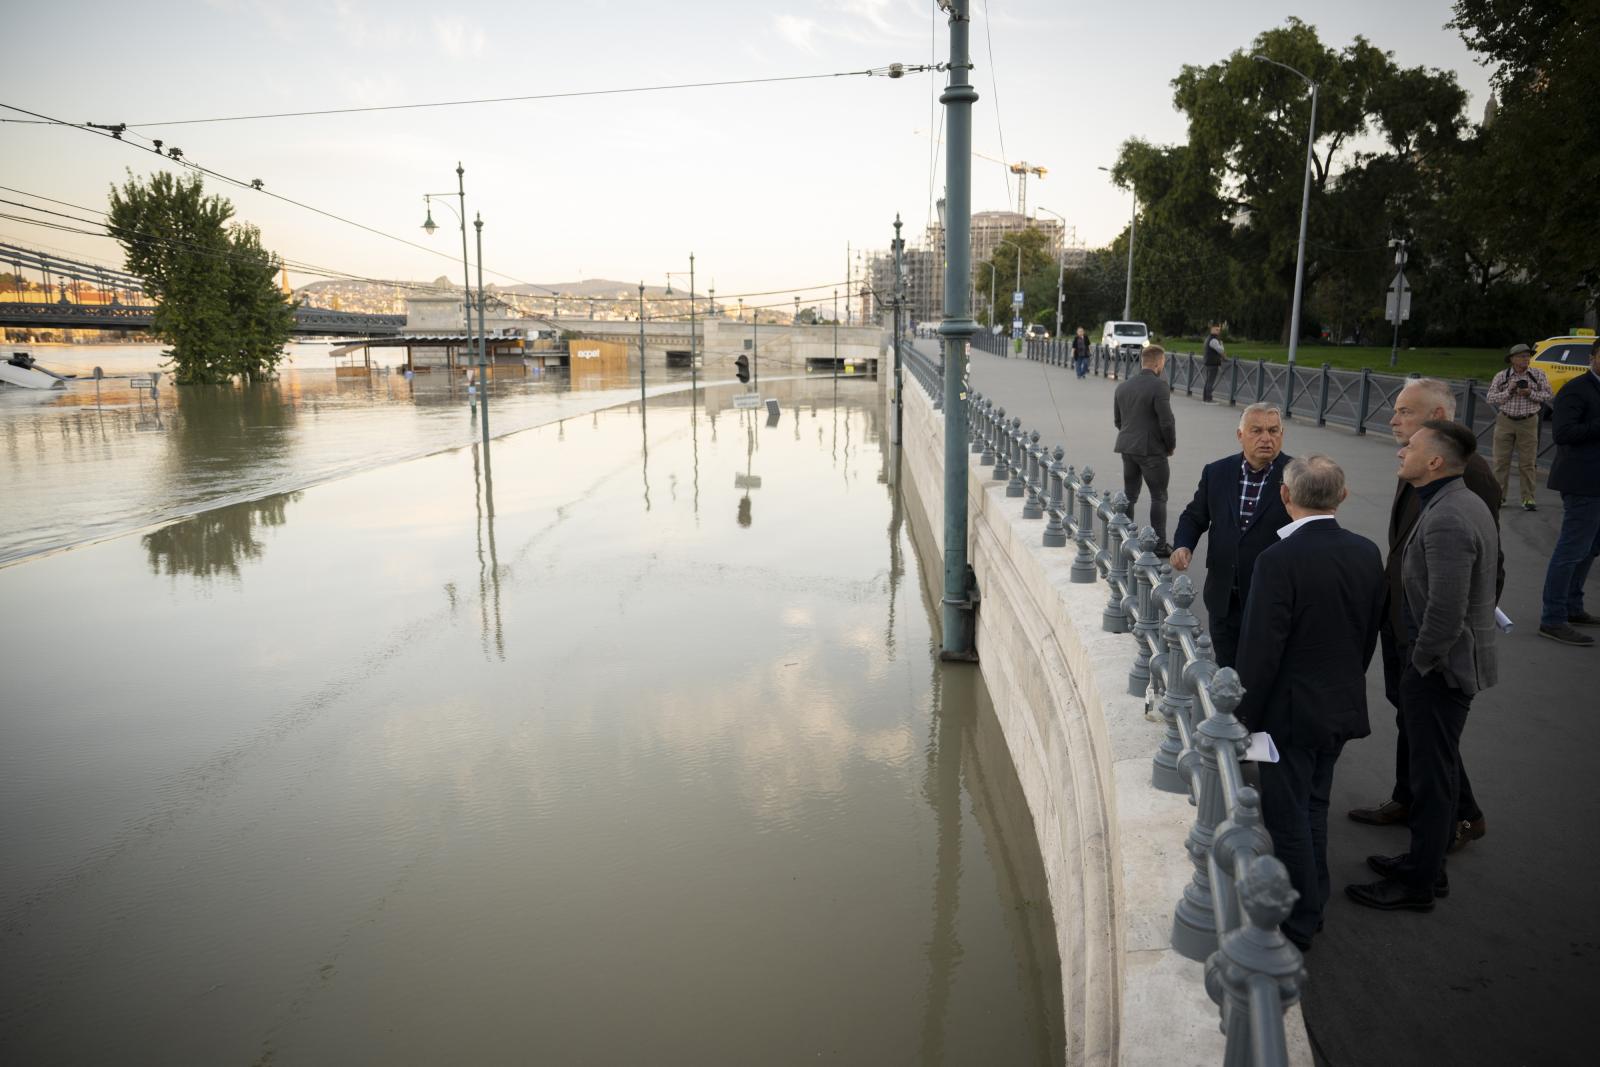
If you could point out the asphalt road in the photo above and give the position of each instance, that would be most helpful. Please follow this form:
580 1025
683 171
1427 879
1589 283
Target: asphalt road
1507 968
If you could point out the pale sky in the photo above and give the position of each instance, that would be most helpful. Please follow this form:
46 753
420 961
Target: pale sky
766 184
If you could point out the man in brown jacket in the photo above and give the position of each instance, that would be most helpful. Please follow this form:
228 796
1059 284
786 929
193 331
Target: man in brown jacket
1420 400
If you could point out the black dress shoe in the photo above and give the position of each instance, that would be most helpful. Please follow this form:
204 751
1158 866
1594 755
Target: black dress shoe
1389 867
1467 831
1389 895
1389 813
1582 618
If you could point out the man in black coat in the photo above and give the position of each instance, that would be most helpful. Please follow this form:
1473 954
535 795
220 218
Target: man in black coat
1213 360
1237 501
1147 435
1310 628
1575 474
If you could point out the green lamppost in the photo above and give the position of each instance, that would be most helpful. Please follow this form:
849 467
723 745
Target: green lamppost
429 227
483 340
1305 203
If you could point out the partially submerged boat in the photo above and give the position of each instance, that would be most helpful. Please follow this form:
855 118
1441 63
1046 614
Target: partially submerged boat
23 370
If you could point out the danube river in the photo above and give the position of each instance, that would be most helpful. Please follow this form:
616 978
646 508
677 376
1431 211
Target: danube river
624 741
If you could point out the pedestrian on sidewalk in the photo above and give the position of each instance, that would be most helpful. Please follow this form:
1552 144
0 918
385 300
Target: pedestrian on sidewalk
1237 506
1309 631
1147 434
1080 353
1518 394
1214 356
1422 399
1448 573
1575 474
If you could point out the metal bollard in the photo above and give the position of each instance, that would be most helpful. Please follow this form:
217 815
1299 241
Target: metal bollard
975 418
1033 508
986 457
1001 446
1084 571
1194 923
1256 974
1055 534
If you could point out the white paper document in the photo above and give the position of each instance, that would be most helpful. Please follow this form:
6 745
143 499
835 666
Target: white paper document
1502 621
1261 749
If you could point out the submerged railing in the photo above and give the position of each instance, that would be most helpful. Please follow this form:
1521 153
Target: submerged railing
1238 893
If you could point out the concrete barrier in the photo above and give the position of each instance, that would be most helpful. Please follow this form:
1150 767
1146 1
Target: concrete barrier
1113 846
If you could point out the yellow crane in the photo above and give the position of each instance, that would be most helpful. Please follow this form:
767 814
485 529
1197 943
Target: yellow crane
1021 170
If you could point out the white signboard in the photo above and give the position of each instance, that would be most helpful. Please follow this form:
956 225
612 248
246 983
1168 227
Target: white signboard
1016 299
1399 295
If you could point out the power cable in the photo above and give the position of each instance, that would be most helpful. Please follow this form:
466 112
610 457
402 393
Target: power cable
994 88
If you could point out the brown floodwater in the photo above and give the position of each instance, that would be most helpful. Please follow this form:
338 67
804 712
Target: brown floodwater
626 741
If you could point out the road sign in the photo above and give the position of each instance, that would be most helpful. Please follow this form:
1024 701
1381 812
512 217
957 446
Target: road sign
1016 325
1016 299
1399 293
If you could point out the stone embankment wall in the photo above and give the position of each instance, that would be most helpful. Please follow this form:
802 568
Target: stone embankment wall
1113 845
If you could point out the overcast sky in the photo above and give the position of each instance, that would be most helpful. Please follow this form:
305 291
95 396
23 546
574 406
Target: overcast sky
766 184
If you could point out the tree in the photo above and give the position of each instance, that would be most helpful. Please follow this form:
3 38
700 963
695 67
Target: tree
218 304
1038 277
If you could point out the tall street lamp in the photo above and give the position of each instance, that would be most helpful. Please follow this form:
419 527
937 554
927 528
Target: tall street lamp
1305 202
1061 266
1133 221
429 227
483 377
694 373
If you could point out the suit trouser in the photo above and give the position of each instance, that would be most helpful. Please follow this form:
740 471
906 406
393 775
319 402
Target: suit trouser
1435 713
1521 435
1211 381
1155 473
1577 546
1225 632
1294 809
1394 665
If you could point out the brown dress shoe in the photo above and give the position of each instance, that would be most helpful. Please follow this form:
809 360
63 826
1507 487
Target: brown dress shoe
1467 831
1389 813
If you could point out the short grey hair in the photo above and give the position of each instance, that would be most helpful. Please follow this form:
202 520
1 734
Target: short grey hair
1259 409
1315 483
1436 393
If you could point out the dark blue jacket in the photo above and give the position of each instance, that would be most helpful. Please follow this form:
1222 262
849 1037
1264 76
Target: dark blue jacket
1309 630
1231 551
1576 468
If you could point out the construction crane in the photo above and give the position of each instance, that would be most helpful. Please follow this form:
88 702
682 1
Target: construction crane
1021 170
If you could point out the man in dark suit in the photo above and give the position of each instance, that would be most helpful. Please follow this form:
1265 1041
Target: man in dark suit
1447 576
1576 475
1238 502
1147 435
1310 628
1420 400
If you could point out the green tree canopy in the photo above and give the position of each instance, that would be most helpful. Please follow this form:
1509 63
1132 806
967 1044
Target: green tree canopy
220 307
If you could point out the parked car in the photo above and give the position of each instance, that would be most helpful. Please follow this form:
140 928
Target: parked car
1037 332
1120 336
1563 358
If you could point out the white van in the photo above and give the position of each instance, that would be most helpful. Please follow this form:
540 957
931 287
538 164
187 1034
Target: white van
1125 335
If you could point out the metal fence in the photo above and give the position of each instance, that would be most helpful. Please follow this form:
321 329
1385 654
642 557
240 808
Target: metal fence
1362 400
1228 914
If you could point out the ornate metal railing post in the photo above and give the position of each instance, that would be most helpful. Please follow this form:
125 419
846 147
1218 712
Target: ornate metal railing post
1147 613
1002 447
1033 508
987 458
1015 462
1118 530
1166 772
1084 571
975 420
1256 974
1055 534
1194 924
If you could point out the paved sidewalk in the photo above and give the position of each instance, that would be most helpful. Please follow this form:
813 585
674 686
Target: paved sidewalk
1505 970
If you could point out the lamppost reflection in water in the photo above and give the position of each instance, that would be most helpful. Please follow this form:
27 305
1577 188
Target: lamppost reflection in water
488 568
748 480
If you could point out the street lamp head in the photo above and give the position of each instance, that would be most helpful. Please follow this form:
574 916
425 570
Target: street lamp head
477 223
428 225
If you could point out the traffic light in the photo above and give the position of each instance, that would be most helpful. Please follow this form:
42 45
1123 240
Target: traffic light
742 368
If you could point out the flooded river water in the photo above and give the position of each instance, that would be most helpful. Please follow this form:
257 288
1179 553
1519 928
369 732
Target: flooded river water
625 741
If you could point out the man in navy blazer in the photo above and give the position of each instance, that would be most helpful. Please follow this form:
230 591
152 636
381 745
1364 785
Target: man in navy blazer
1575 474
1238 503
1310 628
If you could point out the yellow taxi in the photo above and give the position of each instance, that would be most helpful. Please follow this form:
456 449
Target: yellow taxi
1563 358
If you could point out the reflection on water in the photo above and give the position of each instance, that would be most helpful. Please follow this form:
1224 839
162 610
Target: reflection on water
215 543
483 752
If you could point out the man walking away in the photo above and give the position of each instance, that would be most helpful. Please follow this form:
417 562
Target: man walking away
1448 574
1310 628
1213 360
1420 400
1147 434
1575 474
1238 503
1517 394
1080 353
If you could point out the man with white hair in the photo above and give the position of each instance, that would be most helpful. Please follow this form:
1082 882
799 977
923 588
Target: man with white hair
1237 505
1422 399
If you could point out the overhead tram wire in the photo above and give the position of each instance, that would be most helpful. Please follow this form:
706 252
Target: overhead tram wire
994 89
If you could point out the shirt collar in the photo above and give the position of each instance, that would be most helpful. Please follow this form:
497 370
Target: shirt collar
1427 492
1296 524
1251 472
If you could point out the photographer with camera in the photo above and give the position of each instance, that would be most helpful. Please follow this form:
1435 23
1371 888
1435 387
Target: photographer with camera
1518 393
